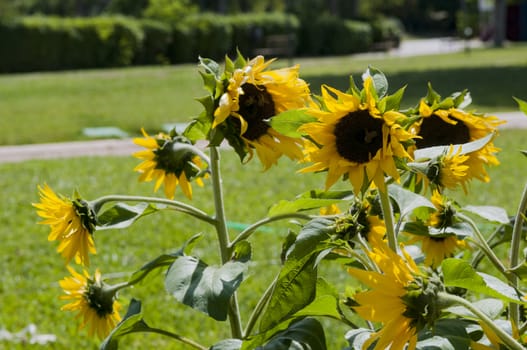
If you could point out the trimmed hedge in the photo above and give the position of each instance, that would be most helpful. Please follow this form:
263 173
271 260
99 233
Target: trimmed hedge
330 35
158 37
51 43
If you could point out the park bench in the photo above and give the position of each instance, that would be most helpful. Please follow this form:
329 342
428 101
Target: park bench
278 45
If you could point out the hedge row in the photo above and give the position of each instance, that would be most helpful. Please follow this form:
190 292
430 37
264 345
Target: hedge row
53 43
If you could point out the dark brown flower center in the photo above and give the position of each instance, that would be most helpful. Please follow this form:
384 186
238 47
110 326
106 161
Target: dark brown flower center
358 136
435 132
99 301
256 107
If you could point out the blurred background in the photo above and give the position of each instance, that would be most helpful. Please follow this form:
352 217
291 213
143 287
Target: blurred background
38 35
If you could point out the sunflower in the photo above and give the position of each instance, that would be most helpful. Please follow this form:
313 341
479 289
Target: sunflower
352 137
396 299
450 126
438 248
169 162
252 97
93 300
72 222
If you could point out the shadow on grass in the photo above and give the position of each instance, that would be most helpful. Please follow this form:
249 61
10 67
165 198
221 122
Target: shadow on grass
491 88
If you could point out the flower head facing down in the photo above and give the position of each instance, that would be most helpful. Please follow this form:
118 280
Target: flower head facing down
72 223
401 298
452 126
253 96
93 300
354 139
169 160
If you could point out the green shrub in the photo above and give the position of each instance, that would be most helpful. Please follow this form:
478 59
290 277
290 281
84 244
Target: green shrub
330 35
387 29
157 39
181 48
211 35
52 43
249 30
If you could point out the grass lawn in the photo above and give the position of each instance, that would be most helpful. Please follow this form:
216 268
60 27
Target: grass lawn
50 107
29 290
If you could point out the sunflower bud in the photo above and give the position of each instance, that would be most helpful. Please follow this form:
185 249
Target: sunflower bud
423 306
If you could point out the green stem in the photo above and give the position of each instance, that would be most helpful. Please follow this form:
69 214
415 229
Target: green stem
182 339
223 236
179 206
258 309
250 230
506 338
482 243
388 219
515 251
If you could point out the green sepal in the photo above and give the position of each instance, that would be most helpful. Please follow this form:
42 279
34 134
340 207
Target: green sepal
432 97
288 122
462 99
522 104
132 322
122 215
309 200
204 288
353 89
459 273
391 102
242 251
210 66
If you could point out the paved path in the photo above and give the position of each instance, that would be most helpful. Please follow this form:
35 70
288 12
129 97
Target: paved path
125 147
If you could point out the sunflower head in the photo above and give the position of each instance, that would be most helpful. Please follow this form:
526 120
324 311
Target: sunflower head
93 300
402 298
444 215
72 222
444 122
358 135
170 160
245 98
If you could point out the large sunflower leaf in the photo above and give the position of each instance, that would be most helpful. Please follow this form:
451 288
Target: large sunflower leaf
132 322
295 287
459 273
490 213
309 200
436 151
227 344
408 201
304 334
121 215
357 338
448 334
288 122
202 287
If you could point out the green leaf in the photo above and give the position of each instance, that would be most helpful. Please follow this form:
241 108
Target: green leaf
132 322
437 151
380 82
325 303
202 287
393 102
459 273
462 99
357 337
408 201
521 104
448 334
227 344
432 97
288 122
163 260
121 215
304 334
524 153
242 251
309 200
491 213
490 307
295 287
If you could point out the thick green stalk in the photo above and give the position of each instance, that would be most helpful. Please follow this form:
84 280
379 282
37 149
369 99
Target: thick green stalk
506 338
515 251
223 236
388 219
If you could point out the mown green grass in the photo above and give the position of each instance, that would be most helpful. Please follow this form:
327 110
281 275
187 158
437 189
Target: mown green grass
31 268
50 107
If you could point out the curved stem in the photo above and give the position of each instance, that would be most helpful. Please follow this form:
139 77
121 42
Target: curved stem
182 339
482 243
250 230
506 338
515 250
223 237
259 308
388 219
179 206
